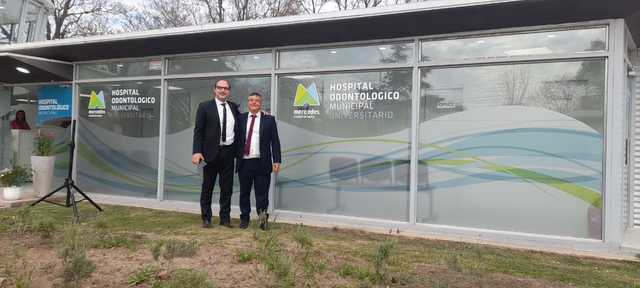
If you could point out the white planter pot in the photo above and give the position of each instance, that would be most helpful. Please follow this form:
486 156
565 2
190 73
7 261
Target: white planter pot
42 173
11 193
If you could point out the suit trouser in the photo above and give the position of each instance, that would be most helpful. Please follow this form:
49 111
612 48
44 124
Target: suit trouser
223 166
250 175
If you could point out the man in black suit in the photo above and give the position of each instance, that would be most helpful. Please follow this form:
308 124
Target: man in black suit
258 146
214 143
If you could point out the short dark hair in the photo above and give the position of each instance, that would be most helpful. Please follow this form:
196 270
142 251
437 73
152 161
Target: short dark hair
255 94
215 84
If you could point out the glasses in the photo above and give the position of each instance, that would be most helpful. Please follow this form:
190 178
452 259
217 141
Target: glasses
223 88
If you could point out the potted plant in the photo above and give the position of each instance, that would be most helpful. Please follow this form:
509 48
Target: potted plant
43 163
12 181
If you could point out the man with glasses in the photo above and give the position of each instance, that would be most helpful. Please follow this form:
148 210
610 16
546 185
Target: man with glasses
214 149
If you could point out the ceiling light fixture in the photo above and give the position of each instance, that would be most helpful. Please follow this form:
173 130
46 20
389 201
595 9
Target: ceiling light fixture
23 70
333 52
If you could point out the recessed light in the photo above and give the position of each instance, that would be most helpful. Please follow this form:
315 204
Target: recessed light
333 52
115 85
214 59
551 36
23 70
382 48
480 41
120 65
256 57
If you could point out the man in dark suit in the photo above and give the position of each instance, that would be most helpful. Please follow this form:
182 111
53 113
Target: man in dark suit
214 143
258 146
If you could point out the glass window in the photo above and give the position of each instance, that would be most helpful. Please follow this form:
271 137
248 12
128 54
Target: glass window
47 110
120 69
31 19
228 63
504 46
513 147
183 180
345 143
397 53
118 137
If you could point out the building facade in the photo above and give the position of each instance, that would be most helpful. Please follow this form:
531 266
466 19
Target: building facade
516 131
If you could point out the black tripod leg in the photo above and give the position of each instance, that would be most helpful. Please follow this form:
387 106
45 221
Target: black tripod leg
86 197
76 215
48 195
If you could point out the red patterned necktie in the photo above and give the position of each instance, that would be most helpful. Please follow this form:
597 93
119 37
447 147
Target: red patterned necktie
247 146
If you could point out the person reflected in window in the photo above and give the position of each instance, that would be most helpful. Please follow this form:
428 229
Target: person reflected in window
20 122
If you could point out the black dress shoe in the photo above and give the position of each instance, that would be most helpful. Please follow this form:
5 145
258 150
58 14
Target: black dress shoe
226 224
244 224
206 224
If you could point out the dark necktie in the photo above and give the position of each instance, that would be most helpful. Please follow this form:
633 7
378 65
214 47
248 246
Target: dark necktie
247 146
224 122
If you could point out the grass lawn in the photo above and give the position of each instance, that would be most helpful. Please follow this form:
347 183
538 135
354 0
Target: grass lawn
135 247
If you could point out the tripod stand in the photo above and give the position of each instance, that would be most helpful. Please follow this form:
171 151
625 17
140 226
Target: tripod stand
69 185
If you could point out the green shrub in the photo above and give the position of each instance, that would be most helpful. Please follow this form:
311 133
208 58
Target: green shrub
302 237
43 145
272 256
156 250
145 274
360 273
175 249
76 265
170 249
246 256
44 227
16 176
383 252
183 278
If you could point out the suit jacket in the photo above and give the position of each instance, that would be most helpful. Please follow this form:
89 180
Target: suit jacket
269 141
206 133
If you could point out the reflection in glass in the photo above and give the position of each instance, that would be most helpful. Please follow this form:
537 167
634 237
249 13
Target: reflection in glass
114 69
503 46
118 137
183 179
226 63
513 147
345 140
340 56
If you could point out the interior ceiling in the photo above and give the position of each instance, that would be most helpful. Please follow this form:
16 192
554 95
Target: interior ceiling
41 71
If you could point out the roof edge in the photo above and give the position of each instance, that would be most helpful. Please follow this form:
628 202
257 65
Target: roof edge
260 23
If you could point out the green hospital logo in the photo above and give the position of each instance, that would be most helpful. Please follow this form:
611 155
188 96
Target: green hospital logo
97 107
306 97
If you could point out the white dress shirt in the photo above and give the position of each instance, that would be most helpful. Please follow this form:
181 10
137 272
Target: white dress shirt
254 149
230 121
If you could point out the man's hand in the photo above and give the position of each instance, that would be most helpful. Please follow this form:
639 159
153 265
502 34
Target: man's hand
196 158
276 167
